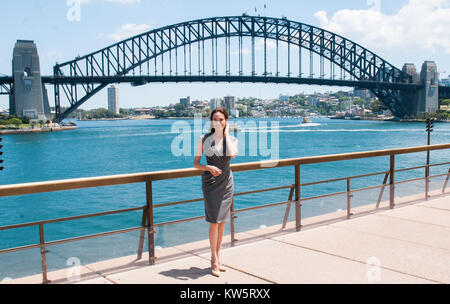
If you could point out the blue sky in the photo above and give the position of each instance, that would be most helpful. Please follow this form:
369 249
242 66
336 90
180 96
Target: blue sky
389 28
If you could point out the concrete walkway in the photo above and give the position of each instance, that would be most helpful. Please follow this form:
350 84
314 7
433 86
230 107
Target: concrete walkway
408 244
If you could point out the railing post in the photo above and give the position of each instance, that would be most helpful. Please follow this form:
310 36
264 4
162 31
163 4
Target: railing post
288 207
142 234
391 181
446 181
380 196
232 217
43 254
427 181
349 198
150 227
298 205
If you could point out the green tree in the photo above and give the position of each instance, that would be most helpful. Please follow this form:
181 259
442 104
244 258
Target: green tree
179 110
161 114
15 121
377 106
241 112
179 107
101 113
26 120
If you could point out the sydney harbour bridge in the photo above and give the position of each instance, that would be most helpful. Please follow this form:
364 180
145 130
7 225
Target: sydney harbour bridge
245 49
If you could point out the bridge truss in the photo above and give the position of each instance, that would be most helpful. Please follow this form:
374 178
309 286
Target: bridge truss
6 85
231 49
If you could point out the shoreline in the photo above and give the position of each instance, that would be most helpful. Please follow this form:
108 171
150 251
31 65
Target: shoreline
143 118
148 117
391 119
36 130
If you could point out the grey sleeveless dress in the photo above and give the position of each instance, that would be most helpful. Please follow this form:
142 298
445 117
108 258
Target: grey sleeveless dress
217 190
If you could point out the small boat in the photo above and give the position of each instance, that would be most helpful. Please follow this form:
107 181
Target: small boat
306 120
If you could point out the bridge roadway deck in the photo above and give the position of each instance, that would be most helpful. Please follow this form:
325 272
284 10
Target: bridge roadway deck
407 244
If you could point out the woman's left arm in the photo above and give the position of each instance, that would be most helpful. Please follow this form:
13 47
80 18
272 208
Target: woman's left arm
232 146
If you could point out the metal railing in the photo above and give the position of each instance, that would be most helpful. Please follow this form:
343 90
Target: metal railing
148 226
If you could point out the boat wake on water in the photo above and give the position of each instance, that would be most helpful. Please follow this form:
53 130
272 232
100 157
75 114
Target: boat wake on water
273 128
309 124
330 130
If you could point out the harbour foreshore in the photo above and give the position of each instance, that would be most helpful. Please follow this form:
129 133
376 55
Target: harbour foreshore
36 130
407 244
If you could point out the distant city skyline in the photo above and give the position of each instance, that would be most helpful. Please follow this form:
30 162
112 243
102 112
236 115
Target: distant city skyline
399 31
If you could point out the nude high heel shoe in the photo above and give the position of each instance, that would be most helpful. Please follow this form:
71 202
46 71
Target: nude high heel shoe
214 269
221 268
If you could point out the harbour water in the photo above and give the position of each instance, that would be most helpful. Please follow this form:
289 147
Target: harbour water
98 148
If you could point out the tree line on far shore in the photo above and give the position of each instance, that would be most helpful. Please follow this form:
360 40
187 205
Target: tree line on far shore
179 111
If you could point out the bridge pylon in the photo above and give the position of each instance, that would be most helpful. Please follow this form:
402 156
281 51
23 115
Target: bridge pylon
29 95
425 99
429 95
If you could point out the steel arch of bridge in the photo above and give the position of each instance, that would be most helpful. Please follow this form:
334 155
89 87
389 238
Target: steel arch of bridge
134 54
6 84
5 89
444 92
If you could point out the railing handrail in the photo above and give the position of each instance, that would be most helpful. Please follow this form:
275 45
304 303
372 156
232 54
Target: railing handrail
149 225
121 179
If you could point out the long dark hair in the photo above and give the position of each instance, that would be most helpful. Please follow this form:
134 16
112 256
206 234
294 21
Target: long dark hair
221 110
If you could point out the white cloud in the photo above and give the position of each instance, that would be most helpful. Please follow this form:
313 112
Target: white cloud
419 25
124 1
50 54
80 1
270 44
113 1
245 51
129 30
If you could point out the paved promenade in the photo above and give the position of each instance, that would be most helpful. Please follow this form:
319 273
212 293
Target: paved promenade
408 244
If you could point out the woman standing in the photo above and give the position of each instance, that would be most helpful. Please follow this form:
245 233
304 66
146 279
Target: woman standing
217 180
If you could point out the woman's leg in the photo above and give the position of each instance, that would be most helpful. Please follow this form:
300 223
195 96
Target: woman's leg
213 236
220 232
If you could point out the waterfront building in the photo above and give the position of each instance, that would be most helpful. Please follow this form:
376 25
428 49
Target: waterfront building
234 113
230 102
284 98
142 111
215 103
113 99
314 101
186 102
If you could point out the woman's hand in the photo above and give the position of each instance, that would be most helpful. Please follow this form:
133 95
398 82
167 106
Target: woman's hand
214 170
227 130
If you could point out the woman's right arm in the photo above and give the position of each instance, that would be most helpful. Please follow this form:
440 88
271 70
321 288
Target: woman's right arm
198 156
